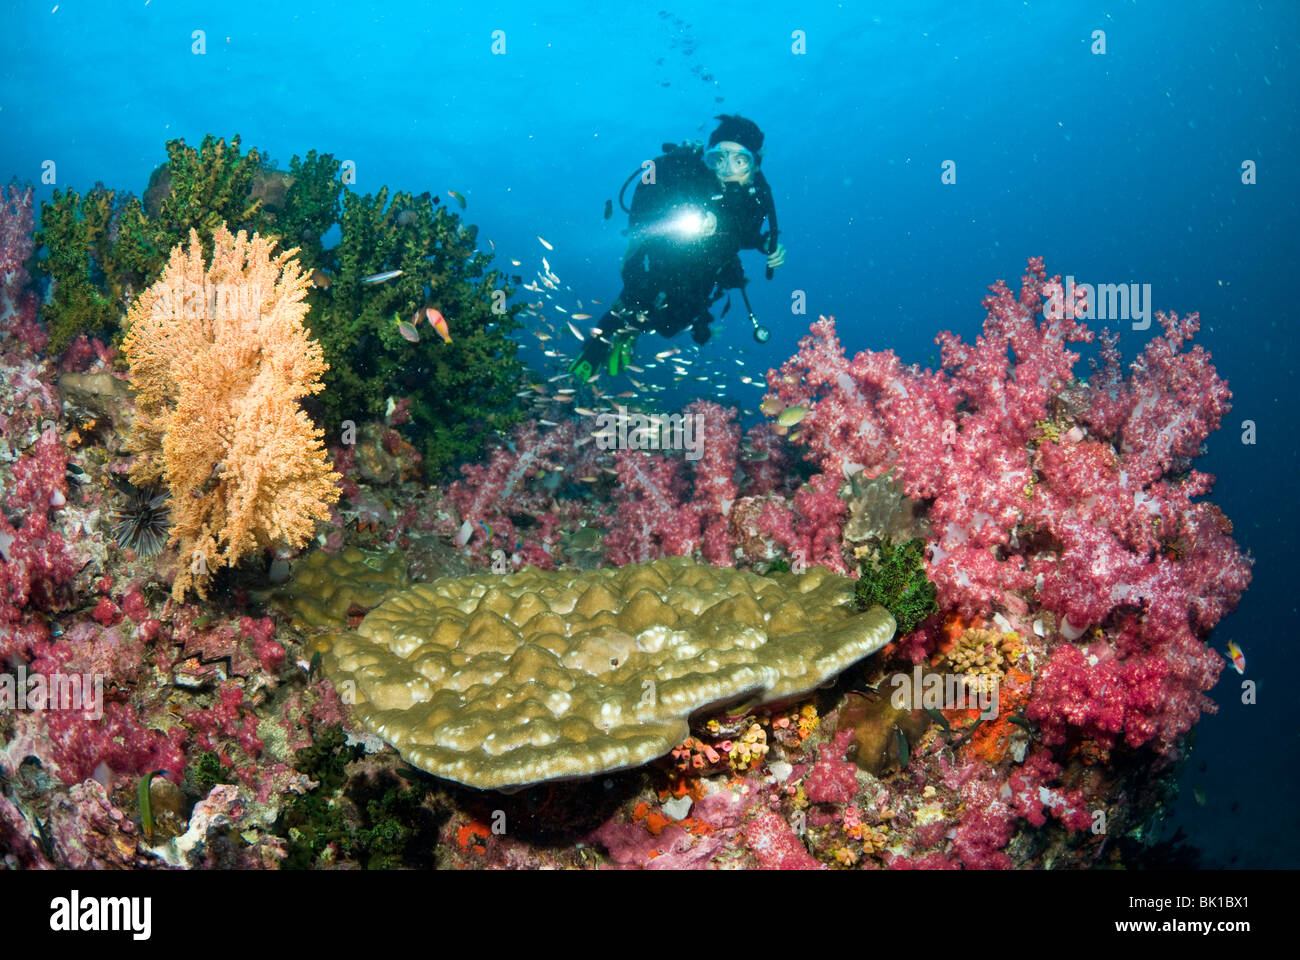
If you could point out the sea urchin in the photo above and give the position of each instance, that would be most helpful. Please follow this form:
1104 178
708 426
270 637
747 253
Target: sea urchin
140 519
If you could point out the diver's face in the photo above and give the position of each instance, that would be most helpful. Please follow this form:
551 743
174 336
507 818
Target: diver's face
731 162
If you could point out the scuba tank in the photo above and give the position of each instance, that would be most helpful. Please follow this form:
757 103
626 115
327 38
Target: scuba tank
671 152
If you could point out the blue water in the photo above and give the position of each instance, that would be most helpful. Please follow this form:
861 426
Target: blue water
1122 167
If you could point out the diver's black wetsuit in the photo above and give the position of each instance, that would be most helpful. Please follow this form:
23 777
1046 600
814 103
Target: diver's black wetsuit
670 279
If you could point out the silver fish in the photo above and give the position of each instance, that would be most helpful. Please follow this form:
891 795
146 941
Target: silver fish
381 277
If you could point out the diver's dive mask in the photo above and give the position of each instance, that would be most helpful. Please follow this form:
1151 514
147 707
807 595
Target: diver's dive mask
729 163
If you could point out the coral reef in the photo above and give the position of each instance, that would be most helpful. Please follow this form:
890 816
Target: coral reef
75 236
681 714
19 306
1086 531
460 391
220 359
102 249
501 681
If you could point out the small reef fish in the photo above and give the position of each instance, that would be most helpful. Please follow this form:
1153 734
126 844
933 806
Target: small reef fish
587 538
1236 656
459 198
466 531
545 244
439 323
575 331
581 316
381 277
407 330
320 279
792 415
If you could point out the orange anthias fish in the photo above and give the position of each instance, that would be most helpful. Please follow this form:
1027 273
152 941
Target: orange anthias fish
439 323
1236 656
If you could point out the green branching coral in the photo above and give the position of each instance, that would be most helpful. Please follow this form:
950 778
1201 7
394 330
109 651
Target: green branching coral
378 821
97 253
460 391
101 250
895 579
310 208
205 187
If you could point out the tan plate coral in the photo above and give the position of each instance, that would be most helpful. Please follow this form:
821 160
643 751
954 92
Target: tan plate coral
503 681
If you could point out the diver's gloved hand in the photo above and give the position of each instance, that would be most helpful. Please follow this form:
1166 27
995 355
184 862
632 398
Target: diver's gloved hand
777 256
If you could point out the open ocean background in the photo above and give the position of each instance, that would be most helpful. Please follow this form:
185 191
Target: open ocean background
1117 168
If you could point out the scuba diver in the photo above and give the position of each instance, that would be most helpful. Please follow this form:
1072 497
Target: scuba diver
688 222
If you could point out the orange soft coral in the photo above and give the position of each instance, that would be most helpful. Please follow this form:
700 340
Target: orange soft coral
219 359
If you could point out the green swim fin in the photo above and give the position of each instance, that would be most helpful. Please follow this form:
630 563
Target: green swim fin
620 354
